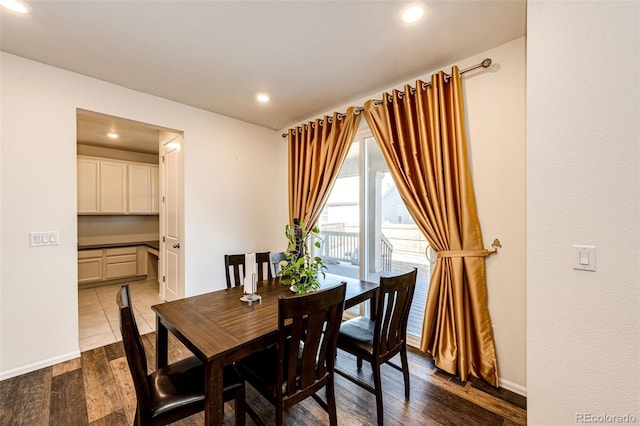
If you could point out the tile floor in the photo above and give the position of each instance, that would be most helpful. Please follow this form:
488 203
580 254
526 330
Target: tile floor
98 313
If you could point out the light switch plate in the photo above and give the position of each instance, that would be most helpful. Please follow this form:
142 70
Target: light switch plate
49 238
584 258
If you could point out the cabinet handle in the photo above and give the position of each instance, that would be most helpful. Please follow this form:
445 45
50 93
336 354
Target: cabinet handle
176 245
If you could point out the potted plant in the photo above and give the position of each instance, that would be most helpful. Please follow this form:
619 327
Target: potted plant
300 271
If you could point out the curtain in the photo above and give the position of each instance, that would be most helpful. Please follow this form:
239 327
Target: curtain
421 133
316 153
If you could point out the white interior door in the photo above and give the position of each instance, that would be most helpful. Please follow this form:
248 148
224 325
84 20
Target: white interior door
172 282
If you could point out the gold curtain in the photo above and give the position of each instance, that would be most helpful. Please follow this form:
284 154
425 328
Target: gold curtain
316 153
421 133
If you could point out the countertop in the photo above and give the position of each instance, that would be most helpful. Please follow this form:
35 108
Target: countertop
153 244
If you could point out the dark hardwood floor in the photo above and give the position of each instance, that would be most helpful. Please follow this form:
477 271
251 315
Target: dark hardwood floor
96 389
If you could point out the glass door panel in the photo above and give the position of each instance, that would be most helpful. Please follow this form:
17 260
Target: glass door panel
394 244
339 221
367 231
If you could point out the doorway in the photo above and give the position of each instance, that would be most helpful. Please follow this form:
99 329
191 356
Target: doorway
132 160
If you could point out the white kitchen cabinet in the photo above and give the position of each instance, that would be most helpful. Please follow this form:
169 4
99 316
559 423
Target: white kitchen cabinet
115 264
117 187
90 266
113 187
121 262
143 188
88 185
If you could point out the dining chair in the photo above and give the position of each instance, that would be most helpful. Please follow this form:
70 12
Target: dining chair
379 340
235 271
303 359
274 262
173 392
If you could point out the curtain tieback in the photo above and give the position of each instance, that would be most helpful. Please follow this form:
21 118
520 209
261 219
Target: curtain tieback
465 253
471 253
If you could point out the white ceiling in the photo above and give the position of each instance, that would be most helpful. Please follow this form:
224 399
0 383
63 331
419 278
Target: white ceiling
309 56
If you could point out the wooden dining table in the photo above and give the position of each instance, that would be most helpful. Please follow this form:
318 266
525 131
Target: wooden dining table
220 329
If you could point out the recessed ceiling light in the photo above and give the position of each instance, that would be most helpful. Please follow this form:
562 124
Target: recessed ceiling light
113 135
263 98
412 14
18 6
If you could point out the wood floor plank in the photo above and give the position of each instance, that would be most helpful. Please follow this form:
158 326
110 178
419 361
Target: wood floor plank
117 418
509 422
65 367
149 344
124 385
114 351
68 400
8 389
501 393
100 389
482 399
453 410
26 399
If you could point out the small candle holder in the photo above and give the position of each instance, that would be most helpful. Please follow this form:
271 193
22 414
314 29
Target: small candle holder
253 296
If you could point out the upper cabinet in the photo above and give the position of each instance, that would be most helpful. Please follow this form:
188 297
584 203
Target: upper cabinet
143 188
108 186
88 185
113 187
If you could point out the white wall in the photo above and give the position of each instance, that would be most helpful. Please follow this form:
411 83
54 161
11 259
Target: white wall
235 195
233 171
583 157
495 112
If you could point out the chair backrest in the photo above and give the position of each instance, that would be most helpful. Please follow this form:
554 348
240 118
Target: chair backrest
263 260
235 270
274 260
134 350
394 302
307 338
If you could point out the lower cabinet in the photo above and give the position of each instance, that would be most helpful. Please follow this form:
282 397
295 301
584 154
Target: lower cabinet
109 264
90 266
121 262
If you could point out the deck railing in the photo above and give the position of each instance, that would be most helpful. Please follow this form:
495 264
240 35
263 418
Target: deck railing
387 254
342 246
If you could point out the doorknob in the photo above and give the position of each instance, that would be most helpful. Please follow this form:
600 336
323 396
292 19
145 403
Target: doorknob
176 245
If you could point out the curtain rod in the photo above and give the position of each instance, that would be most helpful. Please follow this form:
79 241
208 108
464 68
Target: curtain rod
486 63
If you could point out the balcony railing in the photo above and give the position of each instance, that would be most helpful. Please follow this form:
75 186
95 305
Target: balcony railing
387 254
342 246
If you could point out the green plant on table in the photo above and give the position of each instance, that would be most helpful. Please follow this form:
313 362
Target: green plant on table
300 270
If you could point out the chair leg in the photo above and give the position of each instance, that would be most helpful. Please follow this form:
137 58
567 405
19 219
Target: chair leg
359 363
331 403
405 371
240 408
378 387
279 412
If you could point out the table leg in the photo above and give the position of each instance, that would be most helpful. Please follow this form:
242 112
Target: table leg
162 344
213 401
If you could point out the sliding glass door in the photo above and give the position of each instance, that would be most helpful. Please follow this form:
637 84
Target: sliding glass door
367 229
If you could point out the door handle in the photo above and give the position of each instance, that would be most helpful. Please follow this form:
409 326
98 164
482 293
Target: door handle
176 245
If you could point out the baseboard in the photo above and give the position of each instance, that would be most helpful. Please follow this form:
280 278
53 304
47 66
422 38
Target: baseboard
513 387
38 365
